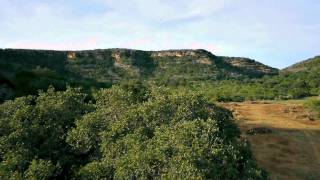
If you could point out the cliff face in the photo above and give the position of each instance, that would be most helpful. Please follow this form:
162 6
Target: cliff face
181 53
198 56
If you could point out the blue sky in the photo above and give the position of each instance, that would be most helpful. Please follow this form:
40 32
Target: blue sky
275 32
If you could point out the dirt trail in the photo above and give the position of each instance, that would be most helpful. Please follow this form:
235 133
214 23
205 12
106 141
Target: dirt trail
292 149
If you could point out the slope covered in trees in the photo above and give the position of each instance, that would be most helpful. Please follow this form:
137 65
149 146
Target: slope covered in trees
297 81
309 64
128 132
26 71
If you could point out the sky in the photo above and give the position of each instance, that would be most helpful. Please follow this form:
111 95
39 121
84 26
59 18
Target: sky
275 32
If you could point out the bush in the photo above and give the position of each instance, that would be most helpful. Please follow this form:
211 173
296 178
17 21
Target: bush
314 105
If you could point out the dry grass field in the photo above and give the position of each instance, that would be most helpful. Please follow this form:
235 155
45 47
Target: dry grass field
290 148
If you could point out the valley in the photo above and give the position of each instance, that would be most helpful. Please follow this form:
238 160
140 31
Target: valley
124 113
159 90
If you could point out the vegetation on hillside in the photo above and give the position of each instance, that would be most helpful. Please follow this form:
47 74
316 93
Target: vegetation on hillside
309 64
26 71
285 86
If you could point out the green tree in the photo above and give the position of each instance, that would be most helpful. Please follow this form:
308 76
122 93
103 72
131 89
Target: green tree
171 135
35 127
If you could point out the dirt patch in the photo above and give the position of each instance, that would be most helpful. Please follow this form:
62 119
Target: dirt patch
292 149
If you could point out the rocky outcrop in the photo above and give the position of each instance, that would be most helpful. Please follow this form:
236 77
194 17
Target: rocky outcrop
205 61
250 65
116 56
181 53
71 55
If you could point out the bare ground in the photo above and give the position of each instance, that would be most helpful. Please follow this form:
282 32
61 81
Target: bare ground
292 149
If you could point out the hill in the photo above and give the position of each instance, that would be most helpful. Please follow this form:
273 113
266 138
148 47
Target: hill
26 71
309 64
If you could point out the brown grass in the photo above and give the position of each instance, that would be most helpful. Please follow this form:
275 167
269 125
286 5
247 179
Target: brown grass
292 150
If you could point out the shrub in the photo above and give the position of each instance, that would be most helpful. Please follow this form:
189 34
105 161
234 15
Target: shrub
314 105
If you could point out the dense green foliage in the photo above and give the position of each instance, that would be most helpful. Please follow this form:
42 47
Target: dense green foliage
298 81
33 132
285 86
125 132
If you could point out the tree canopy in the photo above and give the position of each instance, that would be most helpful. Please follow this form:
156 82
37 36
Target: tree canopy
119 133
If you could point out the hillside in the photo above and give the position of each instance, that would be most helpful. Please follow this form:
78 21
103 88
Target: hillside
250 65
26 71
309 64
